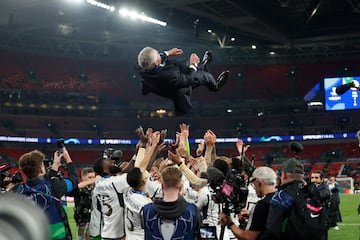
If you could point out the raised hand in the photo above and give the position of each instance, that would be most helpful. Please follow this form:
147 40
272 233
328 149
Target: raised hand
143 138
184 130
200 148
175 52
210 138
155 138
162 136
194 59
239 147
175 157
161 147
57 161
66 155
149 133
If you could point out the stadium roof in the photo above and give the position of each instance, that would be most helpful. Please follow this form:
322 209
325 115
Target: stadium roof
292 29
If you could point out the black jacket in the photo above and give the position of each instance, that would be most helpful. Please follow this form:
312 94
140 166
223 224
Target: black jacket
166 81
59 187
173 81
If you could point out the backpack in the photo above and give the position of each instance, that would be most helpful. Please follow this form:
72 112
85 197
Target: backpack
41 194
307 219
82 208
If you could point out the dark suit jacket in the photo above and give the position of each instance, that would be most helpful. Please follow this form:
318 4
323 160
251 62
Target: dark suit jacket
173 81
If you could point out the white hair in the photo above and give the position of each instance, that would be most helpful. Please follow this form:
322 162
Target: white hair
147 58
270 182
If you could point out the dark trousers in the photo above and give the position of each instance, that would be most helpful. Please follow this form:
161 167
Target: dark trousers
204 78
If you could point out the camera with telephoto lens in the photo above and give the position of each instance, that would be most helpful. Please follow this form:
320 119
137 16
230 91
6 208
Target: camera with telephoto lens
230 191
113 154
15 179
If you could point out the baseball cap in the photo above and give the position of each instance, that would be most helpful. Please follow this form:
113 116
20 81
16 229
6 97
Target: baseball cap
292 166
263 173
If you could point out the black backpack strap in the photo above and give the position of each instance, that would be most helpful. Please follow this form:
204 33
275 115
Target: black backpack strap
63 215
154 195
294 192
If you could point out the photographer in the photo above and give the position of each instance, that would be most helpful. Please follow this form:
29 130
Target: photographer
264 182
46 188
8 182
5 182
82 200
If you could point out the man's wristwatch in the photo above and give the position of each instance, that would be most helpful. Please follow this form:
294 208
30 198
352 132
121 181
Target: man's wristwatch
229 225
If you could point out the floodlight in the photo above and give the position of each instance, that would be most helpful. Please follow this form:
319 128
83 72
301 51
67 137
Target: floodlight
135 15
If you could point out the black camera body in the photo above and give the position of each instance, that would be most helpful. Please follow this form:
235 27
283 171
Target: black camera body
231 191
60 143
112 154
15 179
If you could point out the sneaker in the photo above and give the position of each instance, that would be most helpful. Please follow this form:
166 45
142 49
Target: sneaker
336 228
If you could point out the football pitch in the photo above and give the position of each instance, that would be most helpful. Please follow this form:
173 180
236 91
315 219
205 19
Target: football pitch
349 228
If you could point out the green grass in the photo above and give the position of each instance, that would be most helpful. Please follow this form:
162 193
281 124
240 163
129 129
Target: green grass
72 222
349 228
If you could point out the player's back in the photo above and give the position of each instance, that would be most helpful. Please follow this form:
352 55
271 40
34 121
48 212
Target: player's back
112 209
134 203
95 217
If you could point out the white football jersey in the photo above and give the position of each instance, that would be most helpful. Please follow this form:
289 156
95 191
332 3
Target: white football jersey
188 192
111 210
207 206
134 203
251 201
252 198
95 219
153 188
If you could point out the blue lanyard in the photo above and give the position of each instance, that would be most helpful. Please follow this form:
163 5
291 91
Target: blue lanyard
139 192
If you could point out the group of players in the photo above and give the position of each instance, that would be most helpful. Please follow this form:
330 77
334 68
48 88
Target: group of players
123 188
162 192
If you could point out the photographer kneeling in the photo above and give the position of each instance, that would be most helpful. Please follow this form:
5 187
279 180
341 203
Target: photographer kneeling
264 181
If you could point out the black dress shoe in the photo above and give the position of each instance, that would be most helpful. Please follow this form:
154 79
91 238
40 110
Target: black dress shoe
222 78
207 58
